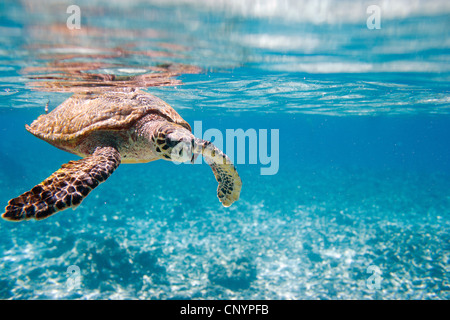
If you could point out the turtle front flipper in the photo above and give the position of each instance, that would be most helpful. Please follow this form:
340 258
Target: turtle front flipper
65 188
230 183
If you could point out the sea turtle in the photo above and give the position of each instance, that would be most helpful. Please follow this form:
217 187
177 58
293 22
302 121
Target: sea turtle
107 129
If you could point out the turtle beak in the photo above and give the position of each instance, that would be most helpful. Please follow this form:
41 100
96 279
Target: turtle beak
194 153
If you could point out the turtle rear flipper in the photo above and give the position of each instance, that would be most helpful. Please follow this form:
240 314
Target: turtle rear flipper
65 188
230 183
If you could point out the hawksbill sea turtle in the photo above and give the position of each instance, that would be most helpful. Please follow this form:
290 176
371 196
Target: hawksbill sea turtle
107 129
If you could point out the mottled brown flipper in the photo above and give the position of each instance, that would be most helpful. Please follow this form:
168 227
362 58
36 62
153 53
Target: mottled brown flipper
230 183
65 188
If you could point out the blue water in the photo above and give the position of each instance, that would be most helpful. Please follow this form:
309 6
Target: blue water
357 204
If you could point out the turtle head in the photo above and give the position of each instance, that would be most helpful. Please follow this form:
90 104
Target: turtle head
177 144
181 147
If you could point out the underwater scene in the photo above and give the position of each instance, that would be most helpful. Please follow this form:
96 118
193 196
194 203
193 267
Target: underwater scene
335 114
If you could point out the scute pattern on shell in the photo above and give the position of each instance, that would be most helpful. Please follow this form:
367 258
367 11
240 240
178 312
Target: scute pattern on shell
84 113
